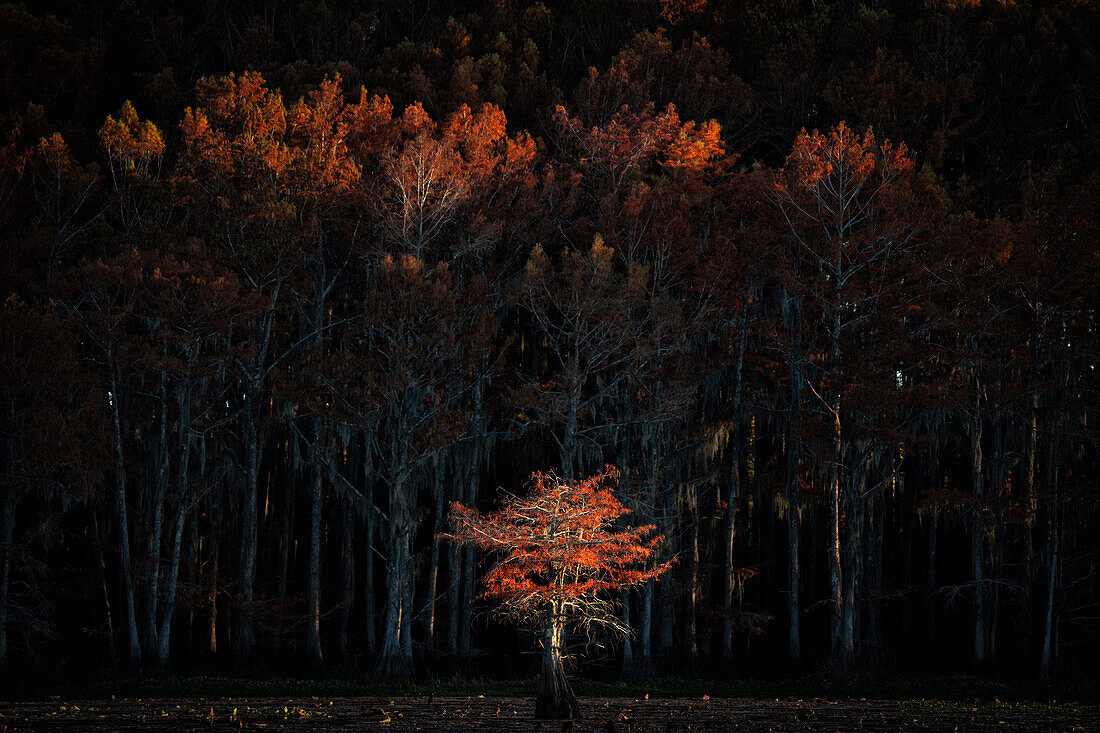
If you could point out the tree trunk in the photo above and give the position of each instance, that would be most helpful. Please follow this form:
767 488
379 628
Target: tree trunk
395 656
102 563
628 646
793 317
152 568
977 531
7 533
215 558
433 563
245 637
691 649
454 592
1054 550
555 699
832 501
164 637
853 553
665 639
933 542
469 564
473 483
195 580
569 438
876 516
1025 631
369 621
316 505
183 509
408 586
999 473
134 643
1054 558
286 531
733 497
645 628
347 584
794 576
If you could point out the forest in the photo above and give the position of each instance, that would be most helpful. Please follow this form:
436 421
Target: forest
813 281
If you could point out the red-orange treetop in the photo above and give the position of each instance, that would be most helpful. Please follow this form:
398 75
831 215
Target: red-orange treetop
562 549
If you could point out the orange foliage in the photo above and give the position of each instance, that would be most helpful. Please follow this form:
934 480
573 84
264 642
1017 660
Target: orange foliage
132 146
677 11
850 188
629 140
694 147
560 548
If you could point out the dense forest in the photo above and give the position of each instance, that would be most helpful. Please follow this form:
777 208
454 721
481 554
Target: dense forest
282 280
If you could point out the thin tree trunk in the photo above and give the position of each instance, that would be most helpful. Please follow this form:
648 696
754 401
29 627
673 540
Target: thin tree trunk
874 561
569 439
794 575
691 649
933 542
665 639
215 557
645 631
245 637
480 452
134 644
320 455
1054 555
995 562
433 563
977 532
628 647
996 537
102 563
733 497
853 553
832 500
408 585
454 569
150 643
316 505
1052 583
195 580
465 625
7 534
1025 624
347 585
164 637
793 318
286 530
369 620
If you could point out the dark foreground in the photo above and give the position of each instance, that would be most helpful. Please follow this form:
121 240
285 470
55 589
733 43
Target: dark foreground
512 714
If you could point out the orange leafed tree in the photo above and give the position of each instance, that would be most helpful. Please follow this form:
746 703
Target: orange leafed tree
562 549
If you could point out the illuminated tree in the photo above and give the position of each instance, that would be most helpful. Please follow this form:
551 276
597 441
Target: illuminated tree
134 150
561 557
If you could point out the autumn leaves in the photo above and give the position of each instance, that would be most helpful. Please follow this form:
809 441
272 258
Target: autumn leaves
558 552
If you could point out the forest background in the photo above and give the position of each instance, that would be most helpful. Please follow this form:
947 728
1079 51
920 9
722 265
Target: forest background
280 281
